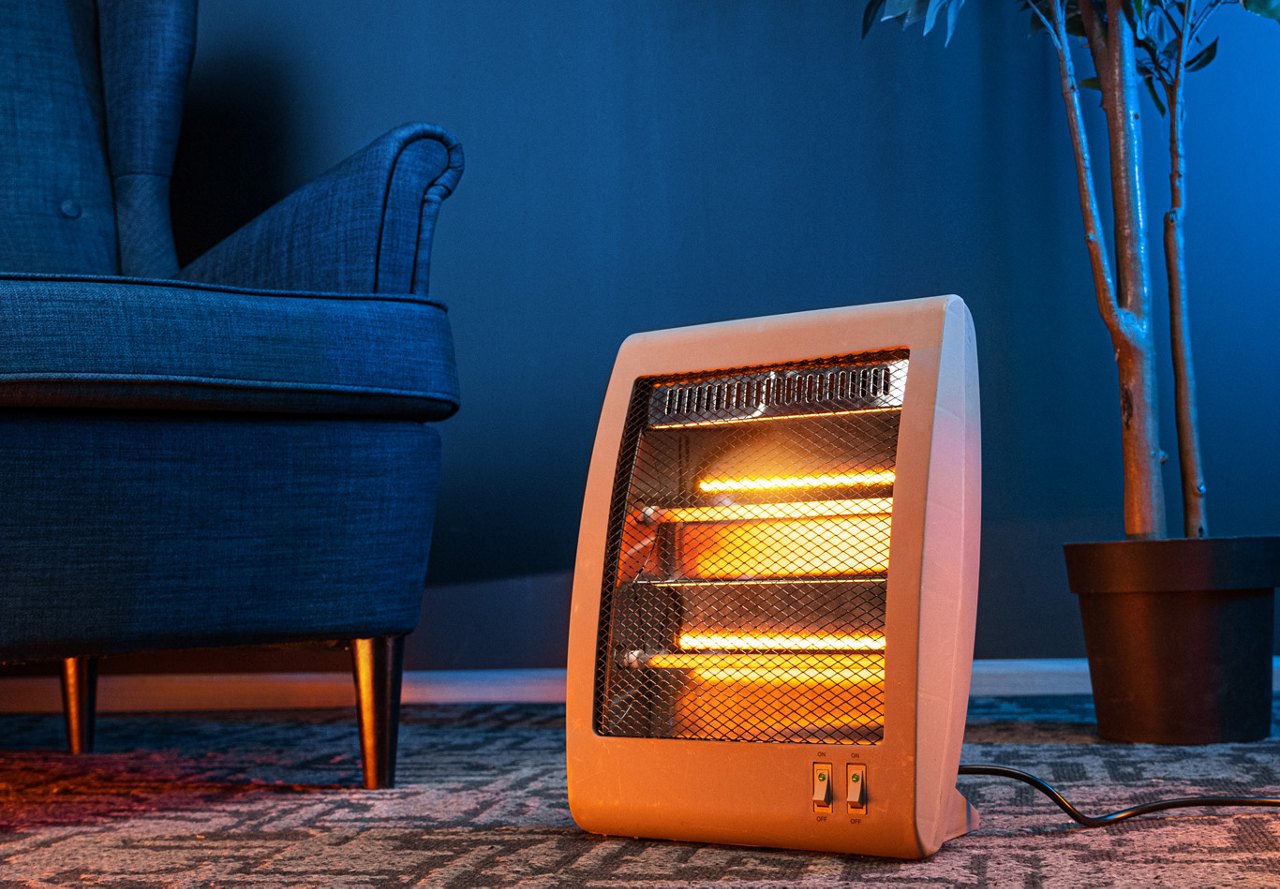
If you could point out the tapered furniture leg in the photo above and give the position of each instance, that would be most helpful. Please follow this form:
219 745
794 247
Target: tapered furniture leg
378 664
79 700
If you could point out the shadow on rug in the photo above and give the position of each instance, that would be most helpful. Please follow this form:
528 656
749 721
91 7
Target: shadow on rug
271 799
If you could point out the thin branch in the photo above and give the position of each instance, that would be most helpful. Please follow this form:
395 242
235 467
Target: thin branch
1189 463
1048 27
1099 262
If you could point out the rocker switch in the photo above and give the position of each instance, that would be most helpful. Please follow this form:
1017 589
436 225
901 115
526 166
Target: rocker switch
856 782
822 790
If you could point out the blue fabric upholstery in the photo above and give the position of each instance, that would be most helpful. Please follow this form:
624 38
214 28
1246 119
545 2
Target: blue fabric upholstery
162 531
146 48
156 345
55 187
329 235
239 457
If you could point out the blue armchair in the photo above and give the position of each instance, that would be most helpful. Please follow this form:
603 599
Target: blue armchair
239 451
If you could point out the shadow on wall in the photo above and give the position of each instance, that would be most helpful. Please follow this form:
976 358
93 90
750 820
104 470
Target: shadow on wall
514 622
232 155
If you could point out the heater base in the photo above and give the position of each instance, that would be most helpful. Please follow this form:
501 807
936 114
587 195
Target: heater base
768 795
962 819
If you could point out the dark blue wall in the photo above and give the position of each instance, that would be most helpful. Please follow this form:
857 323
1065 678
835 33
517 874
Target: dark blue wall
638 165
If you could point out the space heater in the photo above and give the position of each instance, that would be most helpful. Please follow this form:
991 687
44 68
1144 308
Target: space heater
773 604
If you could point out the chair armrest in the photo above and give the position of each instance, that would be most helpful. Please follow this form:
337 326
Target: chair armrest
78 342
146 48
363 227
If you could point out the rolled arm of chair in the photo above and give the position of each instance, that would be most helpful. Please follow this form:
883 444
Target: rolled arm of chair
364 227
117 344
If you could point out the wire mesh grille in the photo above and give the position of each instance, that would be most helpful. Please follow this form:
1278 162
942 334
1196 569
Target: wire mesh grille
747 556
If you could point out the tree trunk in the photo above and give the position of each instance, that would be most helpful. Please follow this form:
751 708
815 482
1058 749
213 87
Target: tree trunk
1143 486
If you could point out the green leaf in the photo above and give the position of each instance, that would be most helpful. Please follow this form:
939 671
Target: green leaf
1091 83
1269 9
871 15
919 9
1204 56
931 16
1139 19
908 12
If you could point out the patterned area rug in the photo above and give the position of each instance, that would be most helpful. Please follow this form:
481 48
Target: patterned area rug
267 799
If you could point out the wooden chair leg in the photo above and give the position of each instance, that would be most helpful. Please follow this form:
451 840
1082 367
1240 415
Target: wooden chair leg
377 665
79 700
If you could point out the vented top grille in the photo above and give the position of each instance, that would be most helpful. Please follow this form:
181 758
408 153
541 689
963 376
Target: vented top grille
747 563
777 393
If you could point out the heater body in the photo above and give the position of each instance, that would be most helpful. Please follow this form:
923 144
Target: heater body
773 607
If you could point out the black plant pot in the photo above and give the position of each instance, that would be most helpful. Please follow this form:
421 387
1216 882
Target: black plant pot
1179 636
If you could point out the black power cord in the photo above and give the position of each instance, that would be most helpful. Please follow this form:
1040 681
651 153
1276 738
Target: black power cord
1103 820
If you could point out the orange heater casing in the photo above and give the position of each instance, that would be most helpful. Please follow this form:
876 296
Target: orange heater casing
773 611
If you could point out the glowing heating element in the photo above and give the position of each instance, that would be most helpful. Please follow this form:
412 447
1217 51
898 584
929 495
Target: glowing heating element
798 684
774 669
795 509
720 641
822 547
796 482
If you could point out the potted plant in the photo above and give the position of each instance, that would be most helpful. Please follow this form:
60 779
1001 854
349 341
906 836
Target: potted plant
1178 630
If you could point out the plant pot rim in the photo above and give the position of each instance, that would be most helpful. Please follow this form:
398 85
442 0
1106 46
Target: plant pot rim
1176 564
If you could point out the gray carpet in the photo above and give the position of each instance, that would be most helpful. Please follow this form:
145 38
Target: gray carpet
267 799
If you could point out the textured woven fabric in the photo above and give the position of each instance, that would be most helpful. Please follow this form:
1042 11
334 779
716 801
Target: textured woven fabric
159 531
105 343
355 229
146 48
55 189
